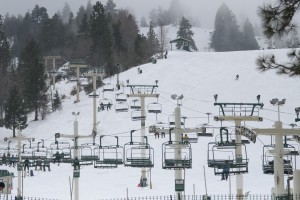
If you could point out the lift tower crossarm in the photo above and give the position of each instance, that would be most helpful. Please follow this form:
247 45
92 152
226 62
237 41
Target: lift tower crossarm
251 108
241 118
272 131
144 95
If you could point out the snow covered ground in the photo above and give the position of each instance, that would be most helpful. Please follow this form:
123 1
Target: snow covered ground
198 76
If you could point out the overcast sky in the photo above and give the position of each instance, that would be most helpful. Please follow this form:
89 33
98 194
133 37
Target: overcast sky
205 10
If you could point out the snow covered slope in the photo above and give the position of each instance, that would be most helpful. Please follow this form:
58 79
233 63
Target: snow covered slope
198 76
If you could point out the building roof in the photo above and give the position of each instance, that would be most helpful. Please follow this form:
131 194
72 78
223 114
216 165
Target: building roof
180 40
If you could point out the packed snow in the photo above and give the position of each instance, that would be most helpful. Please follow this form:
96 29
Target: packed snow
196 75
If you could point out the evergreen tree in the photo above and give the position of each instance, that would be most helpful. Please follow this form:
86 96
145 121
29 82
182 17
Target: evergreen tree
249 41
78 19
175 12
186 33
38 17
143 22
226 36
65 15
153 18
15 114
84 25
5 60
110 6
118 38
101 35
277 21
56 101
152 40
32 70
5 56
140 50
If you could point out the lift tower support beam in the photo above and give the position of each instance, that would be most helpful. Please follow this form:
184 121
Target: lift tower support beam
143 92
238 112
94 76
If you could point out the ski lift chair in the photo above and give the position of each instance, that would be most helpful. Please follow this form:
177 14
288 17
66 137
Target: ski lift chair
155 108
137 154
172 161
135 104
289 152
205 130
121 97
136 115
87 156
105 103
108 156
121 107
108 87
172 120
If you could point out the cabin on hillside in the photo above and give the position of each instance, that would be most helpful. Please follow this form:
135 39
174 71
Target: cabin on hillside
186 43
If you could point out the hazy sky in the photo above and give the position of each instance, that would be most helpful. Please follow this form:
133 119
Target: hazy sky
205 10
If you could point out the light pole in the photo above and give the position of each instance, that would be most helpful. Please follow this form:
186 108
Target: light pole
278 160
177 156
118 71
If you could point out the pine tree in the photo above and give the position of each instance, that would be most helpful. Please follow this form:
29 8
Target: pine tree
5 62
175 12
32 70
101 35
143 22
56 101
277 21
15 113
110 6
65 15
249 42
186 33
152 40
226 36
5 55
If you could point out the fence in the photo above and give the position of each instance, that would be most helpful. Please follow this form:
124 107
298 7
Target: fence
12 197
214 197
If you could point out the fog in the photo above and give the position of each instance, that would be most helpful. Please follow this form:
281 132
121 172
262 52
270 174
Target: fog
204 10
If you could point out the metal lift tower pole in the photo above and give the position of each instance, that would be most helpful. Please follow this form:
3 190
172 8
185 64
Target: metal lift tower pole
53 72
19 138
78 64
94 76
177 155
238 112
75 137
142 92
279 132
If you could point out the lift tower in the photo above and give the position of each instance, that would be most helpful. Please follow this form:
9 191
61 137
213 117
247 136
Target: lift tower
75 137
19 139
53 71
94 76
279 132
142 92
238 112
78 64
177 153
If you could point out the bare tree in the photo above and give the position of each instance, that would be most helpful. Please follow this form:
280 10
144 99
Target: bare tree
163 43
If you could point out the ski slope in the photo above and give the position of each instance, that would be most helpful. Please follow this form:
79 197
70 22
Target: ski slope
196 75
